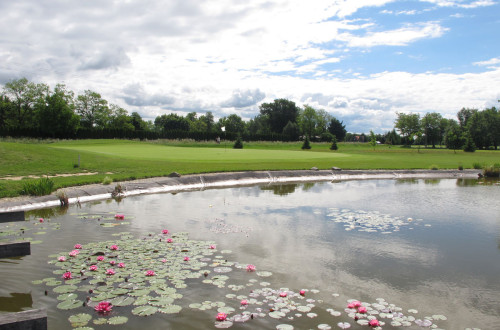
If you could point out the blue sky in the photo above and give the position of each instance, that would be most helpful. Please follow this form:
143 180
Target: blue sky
360 60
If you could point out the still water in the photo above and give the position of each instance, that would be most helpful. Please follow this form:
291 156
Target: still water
424 248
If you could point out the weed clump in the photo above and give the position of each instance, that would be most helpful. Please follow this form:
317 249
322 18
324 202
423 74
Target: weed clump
41 187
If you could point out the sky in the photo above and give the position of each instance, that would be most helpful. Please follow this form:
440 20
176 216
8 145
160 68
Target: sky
360 60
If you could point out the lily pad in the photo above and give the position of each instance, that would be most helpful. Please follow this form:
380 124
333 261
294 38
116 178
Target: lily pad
117 320
69 304
144 310
79 320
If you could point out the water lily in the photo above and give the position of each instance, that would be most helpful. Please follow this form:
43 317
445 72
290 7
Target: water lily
302 292
221 317
362 310
212 247
119 216
78 246
343 325
41 220
374 323
103 307
112 262
93 268
186 258
61 258
67 276
169 240
121 265
114 247
356 303
250 268
150 273
110 271
423 323
163 260
283 294
74 253
100 258
164 231
244 302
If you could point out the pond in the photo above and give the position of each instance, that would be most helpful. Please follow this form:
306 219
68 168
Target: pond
413 253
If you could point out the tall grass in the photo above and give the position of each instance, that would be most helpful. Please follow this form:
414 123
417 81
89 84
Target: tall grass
40 187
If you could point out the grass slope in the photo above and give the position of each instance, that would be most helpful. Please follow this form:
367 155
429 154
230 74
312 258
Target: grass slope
123 159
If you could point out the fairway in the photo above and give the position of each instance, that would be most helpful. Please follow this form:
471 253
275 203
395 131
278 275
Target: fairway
157 152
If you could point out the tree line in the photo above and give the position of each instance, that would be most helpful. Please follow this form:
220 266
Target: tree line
34 110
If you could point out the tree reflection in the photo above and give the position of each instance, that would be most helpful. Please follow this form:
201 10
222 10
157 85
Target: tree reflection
281 189
16 302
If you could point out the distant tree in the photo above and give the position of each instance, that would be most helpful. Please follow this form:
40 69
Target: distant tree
492 119
24 96
392 137
208 120
138 123
469 145
337 128
56 116
453 136
233 124
308 120
171 122
238 144
92 109
119 118
477 128
464 115
6 112
323 119
431 126
306 144
259 125
291 131
408 125
373 140
279 113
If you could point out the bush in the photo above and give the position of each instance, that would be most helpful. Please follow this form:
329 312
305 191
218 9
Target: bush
492 171
41 187
477 166
334 143
326 137
238 144
107 180
434 167
460 167
306 144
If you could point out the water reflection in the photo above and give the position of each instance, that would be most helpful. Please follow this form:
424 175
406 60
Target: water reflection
16 302
280 189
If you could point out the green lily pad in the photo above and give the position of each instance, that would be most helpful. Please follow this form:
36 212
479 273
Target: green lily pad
69 304
144 310
79 320
170 309
65 288
117 320
122 301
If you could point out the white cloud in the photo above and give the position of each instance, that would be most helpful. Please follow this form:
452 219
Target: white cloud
490 62
462 3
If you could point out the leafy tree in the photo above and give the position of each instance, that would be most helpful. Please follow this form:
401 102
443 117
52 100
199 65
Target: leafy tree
308 121
260 125
306 144
138 123
408 125
337 128
279 113
233 124
24 96
492 119
431 126
477 129
469 145
373 140
171 122
208 120
291 131
93 109
453 136
119 119
323 119
6 110
56 116
392 138
464 115
238 144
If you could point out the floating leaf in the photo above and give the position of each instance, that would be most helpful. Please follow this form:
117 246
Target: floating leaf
79 320
70 304
144 310
122 301
170 309
65 288
117 320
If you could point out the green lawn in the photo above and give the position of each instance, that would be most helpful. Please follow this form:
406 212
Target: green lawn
122 159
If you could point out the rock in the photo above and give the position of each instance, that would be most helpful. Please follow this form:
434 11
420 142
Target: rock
174 175
336 168
314 169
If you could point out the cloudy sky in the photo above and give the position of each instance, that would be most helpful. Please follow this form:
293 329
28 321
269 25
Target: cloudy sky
360 60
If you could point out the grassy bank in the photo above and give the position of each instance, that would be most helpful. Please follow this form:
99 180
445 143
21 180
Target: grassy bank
122 160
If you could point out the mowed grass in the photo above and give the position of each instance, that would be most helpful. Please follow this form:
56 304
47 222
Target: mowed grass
123 159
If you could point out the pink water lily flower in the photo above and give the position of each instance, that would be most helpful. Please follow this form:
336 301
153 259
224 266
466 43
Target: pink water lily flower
74 253
103 307
221 317
356 303
114 247
112 262
163 260
244 302
119 216
100 258
373 323
283 294
61 258
169 240
78 246
186 258
250 268
41 220
362 310
121 265
150 273
212 247
165 231
302 292
93 268
110 271
67 276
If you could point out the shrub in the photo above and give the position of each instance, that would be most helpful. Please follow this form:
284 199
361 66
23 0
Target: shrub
469 144
43 186
334 143
492 171
460 167
238 144
434 167
477 166
306 144
107 180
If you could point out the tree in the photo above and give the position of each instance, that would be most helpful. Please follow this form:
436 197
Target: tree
6 110
279 113
464 115
208 120
408 125
138 123
373 140
233 124
291 131
337 128
323 120
92 109
238 144
119 119
24 95
431 126
308 121
492 119
334 143
306 144
56 116
469 145
171 122
260 125
453 136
